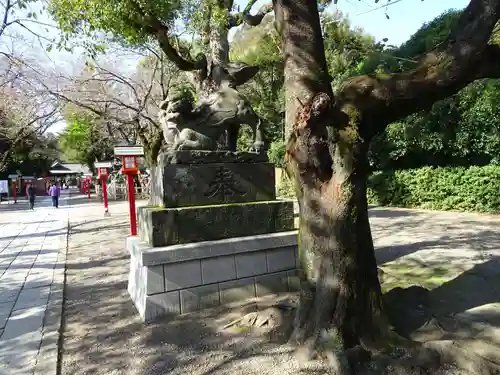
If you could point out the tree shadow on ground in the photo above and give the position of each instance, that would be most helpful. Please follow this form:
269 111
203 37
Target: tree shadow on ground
399 236
49 233
24 253
389 213
437 265
11 207
476 245
412 308
104 335
102 228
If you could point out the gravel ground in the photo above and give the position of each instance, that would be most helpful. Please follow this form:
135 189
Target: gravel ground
103 335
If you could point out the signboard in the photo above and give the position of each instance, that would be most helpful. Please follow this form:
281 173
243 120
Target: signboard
129 151
28 177
4 186
129 162
13 176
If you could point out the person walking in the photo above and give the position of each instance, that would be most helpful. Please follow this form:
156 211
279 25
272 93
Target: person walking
54 192
31 193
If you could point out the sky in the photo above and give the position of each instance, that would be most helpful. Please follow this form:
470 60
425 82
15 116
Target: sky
405 18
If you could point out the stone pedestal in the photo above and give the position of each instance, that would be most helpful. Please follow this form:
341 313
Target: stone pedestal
214 233
196 178
178 279
170 226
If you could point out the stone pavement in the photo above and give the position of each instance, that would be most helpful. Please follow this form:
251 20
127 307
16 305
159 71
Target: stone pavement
32 264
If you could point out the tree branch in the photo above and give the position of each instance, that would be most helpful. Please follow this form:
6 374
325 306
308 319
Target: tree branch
463 58
156 28
5 20
161 33
238 19
490 65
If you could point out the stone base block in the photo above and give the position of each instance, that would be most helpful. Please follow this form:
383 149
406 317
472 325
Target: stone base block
177 279
169 226
209 157
221 178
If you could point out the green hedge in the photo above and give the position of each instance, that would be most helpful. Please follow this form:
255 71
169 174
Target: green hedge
458 189
276 154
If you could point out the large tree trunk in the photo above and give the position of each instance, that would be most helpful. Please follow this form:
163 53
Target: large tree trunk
327 158
152 142
340 287
339 283
217 52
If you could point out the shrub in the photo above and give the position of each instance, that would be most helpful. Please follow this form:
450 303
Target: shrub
449 188
285 188
276 154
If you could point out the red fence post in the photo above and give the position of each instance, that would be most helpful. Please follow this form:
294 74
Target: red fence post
131 204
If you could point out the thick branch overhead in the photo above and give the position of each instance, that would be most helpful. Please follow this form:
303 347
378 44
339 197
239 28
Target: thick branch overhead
156 28
490 67
247 18
463 58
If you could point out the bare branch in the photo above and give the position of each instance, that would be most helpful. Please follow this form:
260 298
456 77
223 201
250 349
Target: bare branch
129 101
24 111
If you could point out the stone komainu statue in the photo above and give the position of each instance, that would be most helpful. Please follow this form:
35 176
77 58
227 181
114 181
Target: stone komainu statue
200 127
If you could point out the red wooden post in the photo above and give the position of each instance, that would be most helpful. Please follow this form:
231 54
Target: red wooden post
13 178
131 204
14 190
105 194
102 173
130 168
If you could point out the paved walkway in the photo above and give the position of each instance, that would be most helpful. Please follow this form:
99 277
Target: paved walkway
32 262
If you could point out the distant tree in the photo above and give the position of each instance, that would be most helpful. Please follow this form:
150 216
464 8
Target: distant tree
85 140
26 111
128 103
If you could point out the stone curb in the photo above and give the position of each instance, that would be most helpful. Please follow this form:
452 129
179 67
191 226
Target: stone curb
47 362
151 256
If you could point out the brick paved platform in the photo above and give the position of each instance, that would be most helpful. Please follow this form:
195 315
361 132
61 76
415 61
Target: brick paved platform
32 263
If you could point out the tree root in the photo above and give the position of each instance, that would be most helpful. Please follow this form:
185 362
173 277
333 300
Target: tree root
270 317
394 355
432 357
388 353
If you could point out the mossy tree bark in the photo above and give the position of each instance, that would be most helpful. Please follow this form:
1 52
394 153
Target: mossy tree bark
327 149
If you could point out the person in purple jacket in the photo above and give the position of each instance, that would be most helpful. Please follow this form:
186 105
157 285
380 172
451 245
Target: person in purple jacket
54 192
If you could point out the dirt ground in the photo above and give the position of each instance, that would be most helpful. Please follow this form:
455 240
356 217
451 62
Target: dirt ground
453 259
